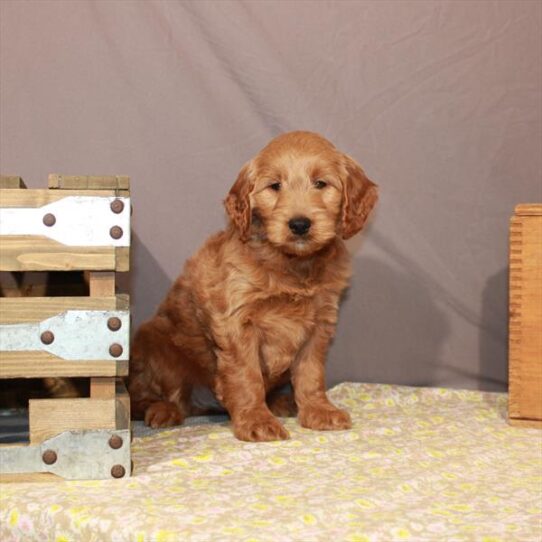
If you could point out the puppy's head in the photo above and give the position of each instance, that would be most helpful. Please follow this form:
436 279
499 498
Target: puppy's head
299 193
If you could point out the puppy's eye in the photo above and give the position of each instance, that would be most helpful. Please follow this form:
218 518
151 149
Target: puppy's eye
275 186
320 184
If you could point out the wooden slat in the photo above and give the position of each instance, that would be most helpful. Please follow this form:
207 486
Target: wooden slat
37 253
122 416
525 424
18 310
43 364
50 417
101 283
30 478
86 182
11 181
32 198
525 323
528 209
103 387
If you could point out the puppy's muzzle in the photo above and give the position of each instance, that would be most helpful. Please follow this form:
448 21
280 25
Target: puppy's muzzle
299 225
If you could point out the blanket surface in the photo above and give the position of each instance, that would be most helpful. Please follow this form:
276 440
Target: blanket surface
420 464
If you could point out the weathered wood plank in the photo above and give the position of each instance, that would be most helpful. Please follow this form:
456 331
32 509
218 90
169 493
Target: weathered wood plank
525 322
86 182
102 283
50 417
36 253
11 181
43 364
38 197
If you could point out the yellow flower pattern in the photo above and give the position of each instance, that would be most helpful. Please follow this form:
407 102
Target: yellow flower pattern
419 464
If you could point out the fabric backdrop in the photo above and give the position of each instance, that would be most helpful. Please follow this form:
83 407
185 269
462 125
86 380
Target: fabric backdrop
440 101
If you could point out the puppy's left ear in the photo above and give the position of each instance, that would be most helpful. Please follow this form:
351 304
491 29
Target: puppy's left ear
237 202
359 197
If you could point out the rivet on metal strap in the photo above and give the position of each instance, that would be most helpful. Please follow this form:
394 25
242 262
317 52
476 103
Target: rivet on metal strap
49 457
49 219
116 232
115 442
114 323
117 206
47 337
115 350
118 471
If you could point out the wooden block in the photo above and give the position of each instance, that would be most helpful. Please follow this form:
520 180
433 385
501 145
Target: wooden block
86 182
33 253
103 387
528 209
122 419
30 478
525 322
42 364
102 284
49 417
11 181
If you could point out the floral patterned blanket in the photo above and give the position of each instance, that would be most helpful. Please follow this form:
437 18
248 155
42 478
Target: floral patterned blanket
420 464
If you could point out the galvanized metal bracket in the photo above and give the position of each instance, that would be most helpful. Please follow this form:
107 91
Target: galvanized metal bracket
74 455
76 221
76 335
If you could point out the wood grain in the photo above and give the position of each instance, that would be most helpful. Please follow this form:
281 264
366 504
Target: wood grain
525 322
101 283
43 364
83 182
11 181
50 417
39 253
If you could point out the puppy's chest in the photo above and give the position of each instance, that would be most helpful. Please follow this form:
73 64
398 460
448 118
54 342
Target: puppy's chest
284 322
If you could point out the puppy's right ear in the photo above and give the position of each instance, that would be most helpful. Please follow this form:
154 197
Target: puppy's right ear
237 202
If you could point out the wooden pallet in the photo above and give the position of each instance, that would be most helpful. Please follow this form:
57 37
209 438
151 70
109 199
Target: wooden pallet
525 324
79 223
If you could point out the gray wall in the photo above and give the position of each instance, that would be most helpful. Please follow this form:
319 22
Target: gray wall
439 100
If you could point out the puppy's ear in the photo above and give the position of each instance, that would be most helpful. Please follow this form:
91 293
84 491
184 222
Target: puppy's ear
359 197
237 202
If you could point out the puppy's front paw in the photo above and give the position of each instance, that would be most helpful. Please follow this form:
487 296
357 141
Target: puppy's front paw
163 414
323 418
259 428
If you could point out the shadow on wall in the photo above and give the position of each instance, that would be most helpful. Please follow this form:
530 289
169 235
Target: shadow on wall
148 283
400 333
494 334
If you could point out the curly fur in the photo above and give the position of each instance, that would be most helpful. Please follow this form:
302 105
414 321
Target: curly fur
256 307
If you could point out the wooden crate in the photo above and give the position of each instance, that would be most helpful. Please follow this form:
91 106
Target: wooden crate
525 324
79 223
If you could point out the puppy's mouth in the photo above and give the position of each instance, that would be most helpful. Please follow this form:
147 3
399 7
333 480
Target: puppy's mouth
297 245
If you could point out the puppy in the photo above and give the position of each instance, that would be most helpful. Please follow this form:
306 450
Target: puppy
257 306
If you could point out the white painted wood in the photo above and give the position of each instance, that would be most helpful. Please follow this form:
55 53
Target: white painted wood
80 221
78 335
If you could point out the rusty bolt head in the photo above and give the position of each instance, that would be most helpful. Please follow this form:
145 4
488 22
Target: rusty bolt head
114 323
116 232
49 457
115 350
118 471
49 219
47 337
115 442
117 206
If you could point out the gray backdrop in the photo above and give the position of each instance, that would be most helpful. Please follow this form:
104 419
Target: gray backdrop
439 100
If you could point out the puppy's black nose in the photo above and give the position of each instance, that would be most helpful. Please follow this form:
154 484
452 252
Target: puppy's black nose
299 225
